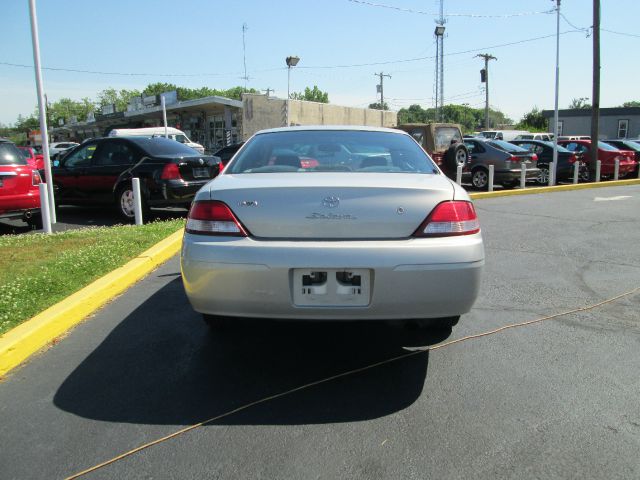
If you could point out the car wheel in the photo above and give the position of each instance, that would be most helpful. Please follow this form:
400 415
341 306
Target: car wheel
543 176
125 204
217 322
462 156
480 178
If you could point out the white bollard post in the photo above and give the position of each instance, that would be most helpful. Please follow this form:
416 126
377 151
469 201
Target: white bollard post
137 200
491 170
44 208
523 175
616 169
598 168
459 175
576 172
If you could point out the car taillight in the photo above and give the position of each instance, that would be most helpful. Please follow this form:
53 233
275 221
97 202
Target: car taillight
35 177
449 219
573 158
212 217
512 158
534 157
170 171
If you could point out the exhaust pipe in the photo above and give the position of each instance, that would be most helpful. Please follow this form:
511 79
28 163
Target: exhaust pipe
27 215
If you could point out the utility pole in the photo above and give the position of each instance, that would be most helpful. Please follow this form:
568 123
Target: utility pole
554 174
486 57
268 91
595 108
381 87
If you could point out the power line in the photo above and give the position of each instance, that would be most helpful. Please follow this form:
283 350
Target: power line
620 33
586 30
470 15
317 67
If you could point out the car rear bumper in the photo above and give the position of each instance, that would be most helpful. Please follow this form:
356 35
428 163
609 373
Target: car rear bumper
416 278
14 206
176 192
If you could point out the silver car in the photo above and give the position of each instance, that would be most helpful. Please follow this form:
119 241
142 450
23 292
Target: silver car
335 223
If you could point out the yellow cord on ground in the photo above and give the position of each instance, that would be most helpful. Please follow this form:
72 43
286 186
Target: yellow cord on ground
344 374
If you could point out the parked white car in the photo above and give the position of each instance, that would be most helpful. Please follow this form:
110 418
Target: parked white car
172 133
366 228
58 147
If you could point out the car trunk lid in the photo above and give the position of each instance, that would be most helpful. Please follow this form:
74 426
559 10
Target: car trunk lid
323 206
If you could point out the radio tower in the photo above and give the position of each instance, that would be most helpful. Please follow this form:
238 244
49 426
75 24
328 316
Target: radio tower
244 56
439 33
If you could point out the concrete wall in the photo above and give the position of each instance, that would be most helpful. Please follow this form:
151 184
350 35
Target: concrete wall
260 112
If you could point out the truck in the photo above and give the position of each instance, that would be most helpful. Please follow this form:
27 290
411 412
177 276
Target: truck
442 142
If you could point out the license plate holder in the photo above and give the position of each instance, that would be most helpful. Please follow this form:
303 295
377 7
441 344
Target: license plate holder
331 287
201 172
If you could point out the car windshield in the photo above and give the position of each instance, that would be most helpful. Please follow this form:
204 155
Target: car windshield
163 146
560 147
332 151
606 146
10 155
506 146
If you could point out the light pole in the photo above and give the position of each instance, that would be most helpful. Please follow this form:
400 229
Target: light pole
466 109
292 61
555 110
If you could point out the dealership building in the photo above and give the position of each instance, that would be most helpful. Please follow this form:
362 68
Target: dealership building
217 121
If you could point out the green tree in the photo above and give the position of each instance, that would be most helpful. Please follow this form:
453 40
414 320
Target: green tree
65 108
376 106
312 95
633 103
580 103
533 121
119 98
158 88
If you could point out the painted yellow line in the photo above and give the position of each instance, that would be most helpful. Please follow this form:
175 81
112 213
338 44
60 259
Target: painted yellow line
556 188
23 341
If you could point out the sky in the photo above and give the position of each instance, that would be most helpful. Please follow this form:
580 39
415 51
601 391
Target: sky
342 44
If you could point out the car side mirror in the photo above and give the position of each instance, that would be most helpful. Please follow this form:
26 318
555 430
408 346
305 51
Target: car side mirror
56 163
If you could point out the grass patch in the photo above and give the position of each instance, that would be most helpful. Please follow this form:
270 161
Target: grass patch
37 271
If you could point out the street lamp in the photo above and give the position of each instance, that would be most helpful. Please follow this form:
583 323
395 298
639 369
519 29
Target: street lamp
292 61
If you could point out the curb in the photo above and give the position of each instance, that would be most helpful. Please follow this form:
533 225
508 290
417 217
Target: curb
29 337
556 188
26 339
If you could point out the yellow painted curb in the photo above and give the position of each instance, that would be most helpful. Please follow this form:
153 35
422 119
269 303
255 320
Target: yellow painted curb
26 339
556 188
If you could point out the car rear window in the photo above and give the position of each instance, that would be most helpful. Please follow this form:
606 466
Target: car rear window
163 146
332 151
560 147
506 146
10 155
606 146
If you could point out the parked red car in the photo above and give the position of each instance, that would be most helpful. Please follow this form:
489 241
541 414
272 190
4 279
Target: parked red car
33 158
19 194
607 154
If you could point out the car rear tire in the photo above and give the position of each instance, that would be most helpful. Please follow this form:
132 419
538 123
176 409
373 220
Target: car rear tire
480 178
125 204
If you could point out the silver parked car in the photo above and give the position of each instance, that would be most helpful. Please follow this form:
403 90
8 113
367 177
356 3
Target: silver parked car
507 160
336 223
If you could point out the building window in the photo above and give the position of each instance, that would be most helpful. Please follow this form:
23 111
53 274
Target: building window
623 128
560 127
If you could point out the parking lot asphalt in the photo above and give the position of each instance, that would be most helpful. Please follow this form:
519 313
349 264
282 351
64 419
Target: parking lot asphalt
557 399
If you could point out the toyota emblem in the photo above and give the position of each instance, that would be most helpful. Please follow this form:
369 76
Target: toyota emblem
330 202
